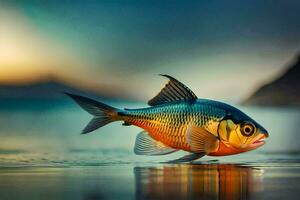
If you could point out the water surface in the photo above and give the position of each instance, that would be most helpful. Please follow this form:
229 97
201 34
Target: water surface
43 156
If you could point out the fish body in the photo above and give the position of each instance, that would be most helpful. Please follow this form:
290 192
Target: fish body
169 123
178 120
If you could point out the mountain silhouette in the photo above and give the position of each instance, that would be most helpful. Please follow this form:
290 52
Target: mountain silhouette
284 91
54 90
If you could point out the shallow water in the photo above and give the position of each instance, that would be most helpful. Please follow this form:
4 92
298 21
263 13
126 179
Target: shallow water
42 156
210 179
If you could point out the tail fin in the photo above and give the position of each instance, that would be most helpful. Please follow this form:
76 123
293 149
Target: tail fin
103 114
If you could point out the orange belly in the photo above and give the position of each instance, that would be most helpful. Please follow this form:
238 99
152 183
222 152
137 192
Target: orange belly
174 137
224 150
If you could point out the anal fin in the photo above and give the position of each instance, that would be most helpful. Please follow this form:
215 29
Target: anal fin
188 158
146 145
126 123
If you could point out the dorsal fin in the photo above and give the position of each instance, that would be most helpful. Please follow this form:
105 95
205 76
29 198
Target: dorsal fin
173 91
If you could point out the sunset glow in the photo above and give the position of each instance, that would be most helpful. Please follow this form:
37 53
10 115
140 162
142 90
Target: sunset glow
26 55
99 45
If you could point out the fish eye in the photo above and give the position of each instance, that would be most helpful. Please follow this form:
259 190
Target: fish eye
247 129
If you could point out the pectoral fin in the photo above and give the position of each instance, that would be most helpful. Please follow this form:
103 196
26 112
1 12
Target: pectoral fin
201 141
146 145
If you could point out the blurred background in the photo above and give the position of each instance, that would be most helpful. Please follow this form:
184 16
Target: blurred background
245 53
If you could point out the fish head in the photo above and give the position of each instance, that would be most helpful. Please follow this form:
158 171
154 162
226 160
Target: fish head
241 133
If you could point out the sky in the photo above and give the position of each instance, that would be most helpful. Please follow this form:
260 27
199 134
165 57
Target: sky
221 49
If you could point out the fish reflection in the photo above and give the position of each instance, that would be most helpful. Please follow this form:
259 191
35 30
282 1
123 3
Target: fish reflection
217 181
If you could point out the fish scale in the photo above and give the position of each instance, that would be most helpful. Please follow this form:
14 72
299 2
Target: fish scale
168 123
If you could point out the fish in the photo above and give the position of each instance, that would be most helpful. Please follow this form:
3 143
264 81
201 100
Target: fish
177 119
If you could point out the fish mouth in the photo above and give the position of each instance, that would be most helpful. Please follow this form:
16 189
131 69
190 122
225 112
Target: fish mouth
259 141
